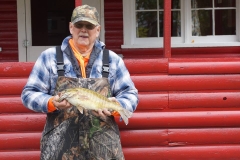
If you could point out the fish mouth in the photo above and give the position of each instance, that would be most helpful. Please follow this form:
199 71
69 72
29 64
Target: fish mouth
61 97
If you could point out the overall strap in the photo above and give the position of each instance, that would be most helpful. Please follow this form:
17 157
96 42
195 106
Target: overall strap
105 67
60 64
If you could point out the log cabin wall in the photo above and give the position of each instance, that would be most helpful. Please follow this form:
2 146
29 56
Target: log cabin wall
8 31
189 104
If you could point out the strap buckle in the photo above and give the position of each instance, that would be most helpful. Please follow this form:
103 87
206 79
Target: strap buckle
105 68
60 66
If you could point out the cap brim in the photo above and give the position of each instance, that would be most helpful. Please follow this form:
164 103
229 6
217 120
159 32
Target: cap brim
85 19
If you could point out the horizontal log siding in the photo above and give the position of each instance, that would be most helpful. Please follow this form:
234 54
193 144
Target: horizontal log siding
188 112
8 31
113 25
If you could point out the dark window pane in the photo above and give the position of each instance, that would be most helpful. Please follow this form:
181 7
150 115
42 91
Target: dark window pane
161 4
175 4
201 4
225 22
225 3
146 4
146 24
176 24
202 22
50 21
161 24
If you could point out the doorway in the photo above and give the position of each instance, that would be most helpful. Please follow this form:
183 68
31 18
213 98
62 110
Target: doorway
44 24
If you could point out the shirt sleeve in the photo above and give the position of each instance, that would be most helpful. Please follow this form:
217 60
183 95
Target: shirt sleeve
36 92
123 88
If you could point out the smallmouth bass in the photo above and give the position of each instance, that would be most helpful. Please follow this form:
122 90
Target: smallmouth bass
91 100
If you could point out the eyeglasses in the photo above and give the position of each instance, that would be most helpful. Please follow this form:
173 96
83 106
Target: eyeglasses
89 26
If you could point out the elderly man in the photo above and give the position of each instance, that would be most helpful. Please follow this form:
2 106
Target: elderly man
69 134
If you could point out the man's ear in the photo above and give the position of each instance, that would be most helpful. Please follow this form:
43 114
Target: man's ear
70 27
98 31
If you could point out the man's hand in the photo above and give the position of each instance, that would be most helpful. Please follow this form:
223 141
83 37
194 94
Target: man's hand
61 105
103 113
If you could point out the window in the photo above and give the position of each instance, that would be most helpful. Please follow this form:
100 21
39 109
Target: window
194 23
216 17
149 18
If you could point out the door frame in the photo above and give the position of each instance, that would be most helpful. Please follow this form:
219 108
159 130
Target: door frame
30 53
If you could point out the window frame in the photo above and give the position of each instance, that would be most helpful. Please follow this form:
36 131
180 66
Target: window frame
186 39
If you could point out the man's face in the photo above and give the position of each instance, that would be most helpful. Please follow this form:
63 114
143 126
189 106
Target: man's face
84 33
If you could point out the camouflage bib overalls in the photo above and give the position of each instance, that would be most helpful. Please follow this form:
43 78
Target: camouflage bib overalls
70 135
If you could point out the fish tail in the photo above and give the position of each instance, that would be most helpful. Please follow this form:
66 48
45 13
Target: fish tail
125 114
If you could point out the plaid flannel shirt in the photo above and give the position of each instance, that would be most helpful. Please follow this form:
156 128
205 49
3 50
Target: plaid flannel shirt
43 77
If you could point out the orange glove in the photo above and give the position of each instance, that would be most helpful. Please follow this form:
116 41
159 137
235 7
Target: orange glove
115 113
51 106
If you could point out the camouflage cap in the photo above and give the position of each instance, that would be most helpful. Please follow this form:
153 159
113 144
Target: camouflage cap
85 13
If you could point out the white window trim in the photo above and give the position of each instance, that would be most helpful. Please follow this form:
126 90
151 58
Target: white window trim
130 40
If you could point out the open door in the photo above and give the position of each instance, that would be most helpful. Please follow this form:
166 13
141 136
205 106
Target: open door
43 24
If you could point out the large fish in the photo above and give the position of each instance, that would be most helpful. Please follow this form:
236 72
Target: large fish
91 100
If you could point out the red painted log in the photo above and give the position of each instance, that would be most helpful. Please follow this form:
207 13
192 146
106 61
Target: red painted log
212 60
206 52
153 83
211 99
222 152
180 137
12 86
152 101
15 69
156 120
147 65
188 100
20 155
12 104
204 66
140 138
203 136
22 122
20 141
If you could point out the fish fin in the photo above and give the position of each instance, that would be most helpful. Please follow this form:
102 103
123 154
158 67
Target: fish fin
80 108
125 114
